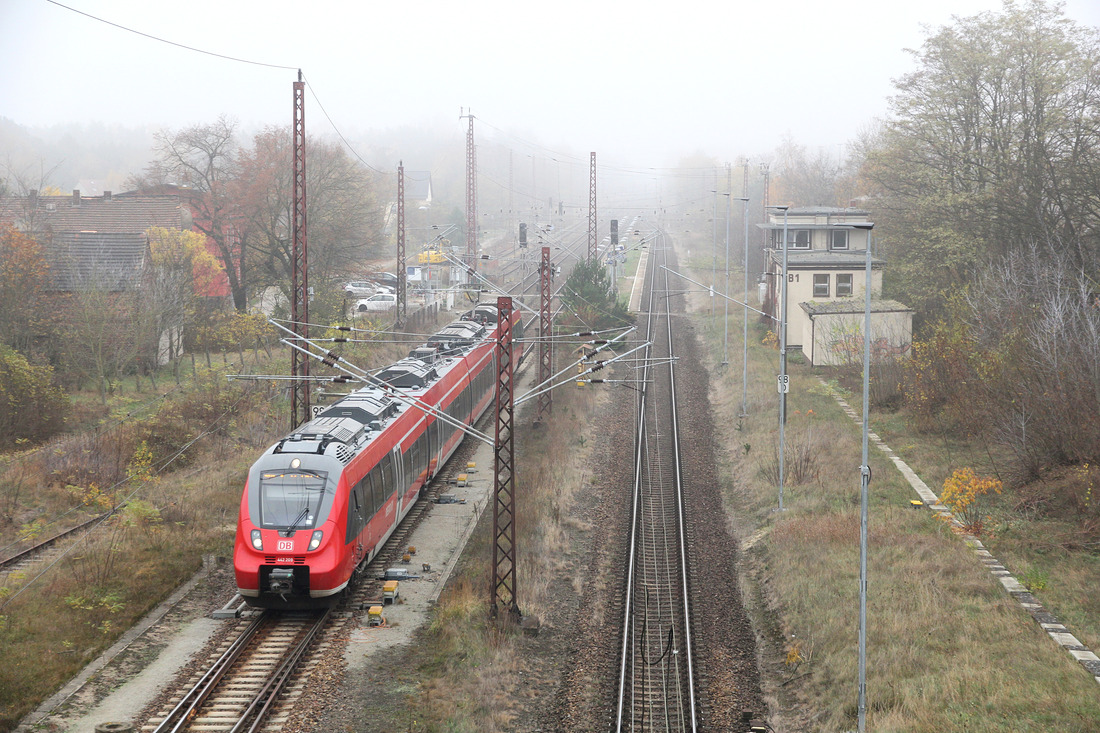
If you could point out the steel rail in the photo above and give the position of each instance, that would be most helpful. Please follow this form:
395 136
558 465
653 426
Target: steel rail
193 699
261 705
685 590
675 553
636 490
28 553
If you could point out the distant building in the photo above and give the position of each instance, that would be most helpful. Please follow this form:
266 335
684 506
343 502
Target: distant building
99 243
106 214
826 282
114 263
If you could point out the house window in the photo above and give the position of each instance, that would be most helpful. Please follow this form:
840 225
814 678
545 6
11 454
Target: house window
843 285
838 239
800 239
821 286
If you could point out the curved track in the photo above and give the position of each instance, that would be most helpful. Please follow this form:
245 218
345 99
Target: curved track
32 554
250 681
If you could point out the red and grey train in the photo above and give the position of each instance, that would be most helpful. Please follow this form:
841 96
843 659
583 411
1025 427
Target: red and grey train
321 502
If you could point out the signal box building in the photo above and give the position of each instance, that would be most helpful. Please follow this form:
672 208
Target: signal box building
826 282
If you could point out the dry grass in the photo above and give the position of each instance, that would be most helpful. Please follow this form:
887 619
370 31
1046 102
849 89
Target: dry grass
110 580
470 679
947 648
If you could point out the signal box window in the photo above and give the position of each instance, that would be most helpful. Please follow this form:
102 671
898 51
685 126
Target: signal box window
800 239
821 286
838 239
843 285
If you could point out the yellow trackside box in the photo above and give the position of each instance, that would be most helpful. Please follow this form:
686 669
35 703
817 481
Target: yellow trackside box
389 591
374 616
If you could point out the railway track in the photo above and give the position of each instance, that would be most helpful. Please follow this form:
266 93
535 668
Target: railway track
42 550
657 675
242 689
251 679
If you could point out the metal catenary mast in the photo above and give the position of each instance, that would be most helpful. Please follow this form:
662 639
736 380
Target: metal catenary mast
471 196
504 598
592 222
402 273
546 354
299 282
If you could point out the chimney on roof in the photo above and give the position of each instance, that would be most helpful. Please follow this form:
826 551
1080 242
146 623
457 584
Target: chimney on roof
76 197
32 195
106 195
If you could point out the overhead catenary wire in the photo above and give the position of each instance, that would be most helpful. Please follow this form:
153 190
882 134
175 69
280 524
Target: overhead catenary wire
171 43
340 134
331 359
239 60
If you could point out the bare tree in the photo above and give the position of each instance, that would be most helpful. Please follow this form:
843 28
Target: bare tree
343 214
202 160
803 179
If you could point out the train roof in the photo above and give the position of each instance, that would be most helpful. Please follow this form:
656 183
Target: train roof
340 429
408 373
458 331
483 313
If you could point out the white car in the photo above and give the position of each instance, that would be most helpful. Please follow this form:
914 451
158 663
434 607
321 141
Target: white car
360 288
377 302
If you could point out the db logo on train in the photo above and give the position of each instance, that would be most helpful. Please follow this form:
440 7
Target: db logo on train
286 545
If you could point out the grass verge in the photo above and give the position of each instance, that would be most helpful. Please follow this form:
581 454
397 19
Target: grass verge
947 648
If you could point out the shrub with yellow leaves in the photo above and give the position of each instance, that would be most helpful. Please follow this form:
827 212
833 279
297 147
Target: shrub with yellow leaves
963 493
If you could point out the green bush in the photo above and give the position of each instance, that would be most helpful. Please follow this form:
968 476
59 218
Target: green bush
31 407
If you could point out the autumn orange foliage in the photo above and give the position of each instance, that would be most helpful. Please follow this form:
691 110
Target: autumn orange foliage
963 492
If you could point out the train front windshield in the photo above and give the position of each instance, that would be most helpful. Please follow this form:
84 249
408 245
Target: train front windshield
291 499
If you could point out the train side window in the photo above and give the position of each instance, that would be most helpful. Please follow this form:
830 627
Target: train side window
420 454
356 520
369 484
387 475
374 490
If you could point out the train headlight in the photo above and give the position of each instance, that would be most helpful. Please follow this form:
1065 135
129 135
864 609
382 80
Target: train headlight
315 540
257 540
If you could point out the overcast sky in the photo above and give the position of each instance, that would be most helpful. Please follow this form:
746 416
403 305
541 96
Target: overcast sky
644 81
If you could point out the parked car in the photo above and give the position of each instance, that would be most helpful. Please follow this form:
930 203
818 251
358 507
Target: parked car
360 288
386 278
376 302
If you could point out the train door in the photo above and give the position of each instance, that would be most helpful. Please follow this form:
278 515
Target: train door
435 443
399 470
400 486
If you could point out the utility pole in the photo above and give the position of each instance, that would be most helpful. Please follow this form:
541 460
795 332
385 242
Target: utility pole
546 354
745 264
592 222
511 202
299 281
764 168
714 242
726 287
471 196
402 274
503 596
